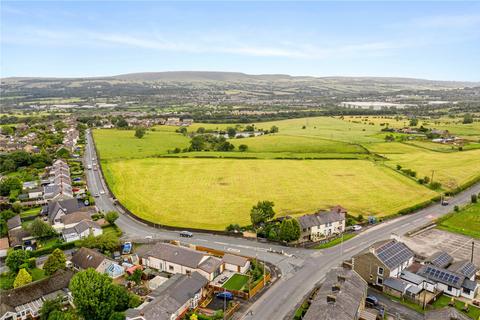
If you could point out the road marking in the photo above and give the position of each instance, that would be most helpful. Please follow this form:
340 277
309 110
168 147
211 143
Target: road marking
232 249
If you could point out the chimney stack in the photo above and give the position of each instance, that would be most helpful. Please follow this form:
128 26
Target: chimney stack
331 299
347 265
336 288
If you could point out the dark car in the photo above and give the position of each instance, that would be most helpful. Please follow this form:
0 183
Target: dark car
186 234
225 295
371 301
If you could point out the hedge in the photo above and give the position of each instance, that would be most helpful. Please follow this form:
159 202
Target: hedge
62 246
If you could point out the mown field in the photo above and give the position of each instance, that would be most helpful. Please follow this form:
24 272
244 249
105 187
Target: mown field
466 221
212 193
213 189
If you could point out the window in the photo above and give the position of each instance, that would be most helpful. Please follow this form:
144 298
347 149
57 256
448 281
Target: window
170 268
450 288
379 281
466 291
380 271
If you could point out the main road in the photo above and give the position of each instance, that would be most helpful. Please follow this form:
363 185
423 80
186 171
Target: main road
301 269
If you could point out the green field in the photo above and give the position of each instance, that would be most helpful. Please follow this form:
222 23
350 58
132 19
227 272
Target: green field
213 189
212 193
236 282
466 222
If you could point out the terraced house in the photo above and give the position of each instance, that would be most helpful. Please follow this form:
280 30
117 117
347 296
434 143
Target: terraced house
323 224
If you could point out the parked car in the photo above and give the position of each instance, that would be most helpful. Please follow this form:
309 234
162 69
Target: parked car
186 234
225 295
356 227
96 195
102 192
371 301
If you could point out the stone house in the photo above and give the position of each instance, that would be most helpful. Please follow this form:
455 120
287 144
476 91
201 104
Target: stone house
322 225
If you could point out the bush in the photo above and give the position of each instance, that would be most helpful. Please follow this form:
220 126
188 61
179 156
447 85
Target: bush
474 198
456 209
435 185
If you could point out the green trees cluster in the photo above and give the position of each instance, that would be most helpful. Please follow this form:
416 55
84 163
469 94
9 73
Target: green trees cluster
10 186
55 261
262 212
210 142
106 242
289 230
17 259
140 132
96 297
467 118
41 229
4 216
10 162
111 217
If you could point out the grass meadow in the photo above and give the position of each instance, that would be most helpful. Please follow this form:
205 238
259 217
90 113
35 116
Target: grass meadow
212 193
466 221
213 189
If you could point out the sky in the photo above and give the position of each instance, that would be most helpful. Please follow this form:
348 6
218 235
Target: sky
430 40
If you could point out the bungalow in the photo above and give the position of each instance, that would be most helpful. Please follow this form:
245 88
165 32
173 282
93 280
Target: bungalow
19 238
86 258
81 230
172 299
236 263
26 301
176 259
341 296
72 219
384 259
322 224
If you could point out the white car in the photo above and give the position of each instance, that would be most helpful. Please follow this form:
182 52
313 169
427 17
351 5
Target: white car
356 227
102 192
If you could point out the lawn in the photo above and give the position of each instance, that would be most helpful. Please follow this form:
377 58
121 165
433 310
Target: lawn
7 278
236 282
335 241
466 222
213 193
32 212
443 301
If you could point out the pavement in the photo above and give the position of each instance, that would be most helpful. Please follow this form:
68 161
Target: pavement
302 269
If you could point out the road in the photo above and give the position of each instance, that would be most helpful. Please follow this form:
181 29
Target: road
394 308
301 269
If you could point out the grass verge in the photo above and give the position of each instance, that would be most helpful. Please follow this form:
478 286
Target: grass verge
335 241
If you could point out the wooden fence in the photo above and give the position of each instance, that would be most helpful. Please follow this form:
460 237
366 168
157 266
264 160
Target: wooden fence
253 291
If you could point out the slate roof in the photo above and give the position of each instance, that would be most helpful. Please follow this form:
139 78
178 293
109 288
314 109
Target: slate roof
392 253
469 284
448 313
348 300
440 259
68 206
14 222
321 218
464 267
36 290
171 253
235 260
396 284
412 277
16 236
75 217
441 275
87 258
169 297
210 264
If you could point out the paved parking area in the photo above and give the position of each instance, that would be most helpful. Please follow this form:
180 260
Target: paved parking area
458 246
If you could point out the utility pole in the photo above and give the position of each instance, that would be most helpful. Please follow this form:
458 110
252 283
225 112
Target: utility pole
433 172
473 249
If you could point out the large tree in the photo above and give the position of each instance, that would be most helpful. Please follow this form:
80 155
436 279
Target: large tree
23 278
289 230
15 259
111 216
262 212
92 294
140 132
8 185
39 228
55 261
